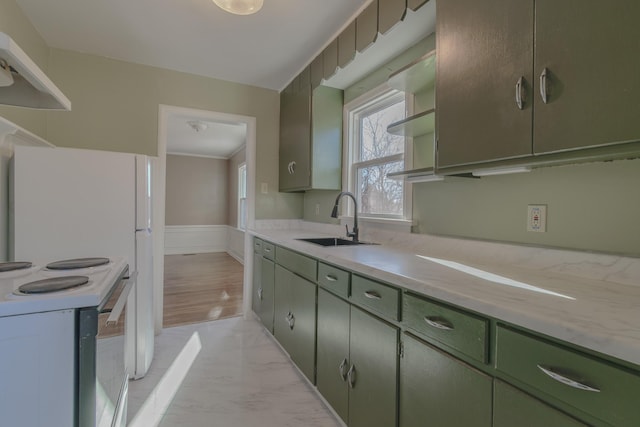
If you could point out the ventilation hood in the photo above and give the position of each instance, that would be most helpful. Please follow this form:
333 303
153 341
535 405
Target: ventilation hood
22 82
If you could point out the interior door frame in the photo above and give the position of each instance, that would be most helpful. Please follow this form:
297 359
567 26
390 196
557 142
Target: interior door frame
159 181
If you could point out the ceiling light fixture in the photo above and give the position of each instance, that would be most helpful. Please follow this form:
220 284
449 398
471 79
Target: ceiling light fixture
240 7
197 125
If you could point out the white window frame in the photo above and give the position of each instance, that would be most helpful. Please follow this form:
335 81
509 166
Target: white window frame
242 196
350 148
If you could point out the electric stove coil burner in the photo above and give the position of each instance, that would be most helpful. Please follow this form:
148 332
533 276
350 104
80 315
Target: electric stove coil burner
12 266
54 284
72 264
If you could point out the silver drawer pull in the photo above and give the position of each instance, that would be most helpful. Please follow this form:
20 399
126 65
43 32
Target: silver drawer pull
564 379
342 369
267 249
351 375
438 323
372 295
260 294
331 278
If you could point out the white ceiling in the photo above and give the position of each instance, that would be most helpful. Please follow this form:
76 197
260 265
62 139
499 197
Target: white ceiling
266 49
220 140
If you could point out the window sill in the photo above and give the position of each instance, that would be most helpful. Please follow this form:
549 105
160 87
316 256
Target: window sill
393 224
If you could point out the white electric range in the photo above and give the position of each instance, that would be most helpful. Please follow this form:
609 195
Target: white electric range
76 372
100 282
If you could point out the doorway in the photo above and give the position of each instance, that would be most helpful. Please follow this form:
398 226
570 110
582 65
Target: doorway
236 240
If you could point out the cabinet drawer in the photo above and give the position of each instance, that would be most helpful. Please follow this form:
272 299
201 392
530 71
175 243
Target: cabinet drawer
257 246
456 329
269 250
594 386
297 263
334 279
380 298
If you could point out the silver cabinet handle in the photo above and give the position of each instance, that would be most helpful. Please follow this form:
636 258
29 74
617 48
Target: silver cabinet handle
292 321
331 278
566 380
520 93
543 85
342 368
438 323
351 376
289 168
372 295
260 294
293 167
267 250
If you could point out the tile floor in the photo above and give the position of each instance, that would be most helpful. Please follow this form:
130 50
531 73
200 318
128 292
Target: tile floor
238 378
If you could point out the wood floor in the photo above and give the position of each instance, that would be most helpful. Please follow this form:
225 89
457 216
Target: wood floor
201 287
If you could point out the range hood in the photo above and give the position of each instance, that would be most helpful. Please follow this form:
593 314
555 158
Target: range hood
22 82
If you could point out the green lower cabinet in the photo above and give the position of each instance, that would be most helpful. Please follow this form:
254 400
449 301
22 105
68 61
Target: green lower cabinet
333 351
513 408
438 390
373 372
294 323
257 283
357 363
267 279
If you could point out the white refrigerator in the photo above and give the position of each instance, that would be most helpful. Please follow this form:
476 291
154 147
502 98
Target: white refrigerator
72 203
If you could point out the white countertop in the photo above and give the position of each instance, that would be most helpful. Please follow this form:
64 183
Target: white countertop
600 315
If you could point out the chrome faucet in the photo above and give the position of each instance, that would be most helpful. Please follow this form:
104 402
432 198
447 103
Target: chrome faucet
334 214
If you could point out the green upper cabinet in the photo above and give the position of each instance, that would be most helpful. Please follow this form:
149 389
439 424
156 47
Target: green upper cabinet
520 78
515 408
484 48
590 51
437 387
310 137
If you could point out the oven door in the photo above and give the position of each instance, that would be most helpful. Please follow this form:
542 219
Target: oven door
103 381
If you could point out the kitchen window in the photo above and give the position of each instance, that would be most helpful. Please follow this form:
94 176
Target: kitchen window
374 153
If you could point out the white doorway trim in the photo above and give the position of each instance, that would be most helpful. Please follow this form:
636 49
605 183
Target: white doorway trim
164 113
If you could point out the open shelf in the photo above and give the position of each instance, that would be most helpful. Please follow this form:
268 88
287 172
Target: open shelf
417 76
414 126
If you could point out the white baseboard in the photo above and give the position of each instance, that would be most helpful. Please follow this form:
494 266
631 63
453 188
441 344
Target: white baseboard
197 239
190 239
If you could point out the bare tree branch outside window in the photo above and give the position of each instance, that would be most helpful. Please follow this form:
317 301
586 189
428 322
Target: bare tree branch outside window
376 193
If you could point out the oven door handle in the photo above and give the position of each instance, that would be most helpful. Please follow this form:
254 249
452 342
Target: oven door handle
114 316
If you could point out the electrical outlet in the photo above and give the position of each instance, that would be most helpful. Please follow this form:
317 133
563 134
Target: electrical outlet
317 209
537 218
264 188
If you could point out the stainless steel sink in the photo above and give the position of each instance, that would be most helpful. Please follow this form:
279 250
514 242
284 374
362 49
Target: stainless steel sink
332 241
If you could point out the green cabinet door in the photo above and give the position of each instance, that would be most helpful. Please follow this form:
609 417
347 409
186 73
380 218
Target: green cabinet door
590 50
303 325
267 272
294 324
282 307
333 351
436 387
373 371
257 283
514 408
484 48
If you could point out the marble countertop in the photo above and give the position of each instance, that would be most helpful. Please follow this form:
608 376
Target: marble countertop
597 314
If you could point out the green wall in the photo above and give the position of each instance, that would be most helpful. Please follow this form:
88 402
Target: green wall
115 107
14 23
594 207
